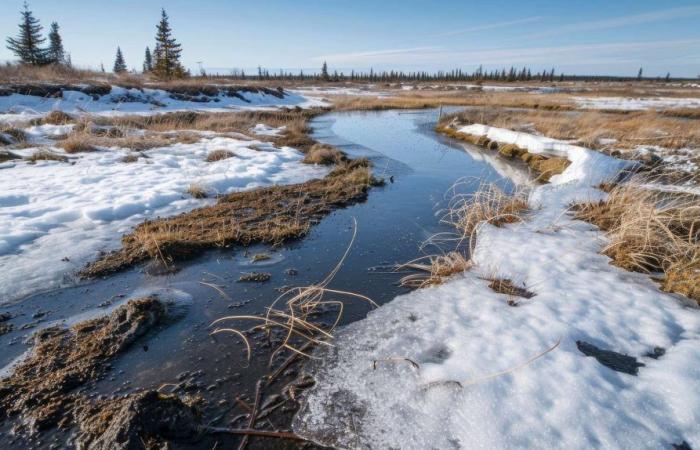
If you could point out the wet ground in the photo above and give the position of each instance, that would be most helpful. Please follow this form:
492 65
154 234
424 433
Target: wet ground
419 166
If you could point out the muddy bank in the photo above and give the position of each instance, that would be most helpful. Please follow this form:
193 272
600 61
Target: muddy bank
40 391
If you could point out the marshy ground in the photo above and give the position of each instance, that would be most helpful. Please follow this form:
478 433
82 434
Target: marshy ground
387 170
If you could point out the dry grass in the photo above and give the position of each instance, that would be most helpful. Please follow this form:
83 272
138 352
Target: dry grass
435 270
86 136
487 204
45 155
20 73
298 318
55 118
591 128
324 154
511 290
197 190
16 135
130 158
433 99
651 232
267 215
77 143
219 155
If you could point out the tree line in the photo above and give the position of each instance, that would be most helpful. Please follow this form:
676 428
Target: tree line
29 47
164 62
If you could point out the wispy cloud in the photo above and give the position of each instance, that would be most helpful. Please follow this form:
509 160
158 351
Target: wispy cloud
582 54
619 22
490 26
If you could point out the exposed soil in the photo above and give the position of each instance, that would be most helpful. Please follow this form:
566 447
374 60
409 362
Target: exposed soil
613 360
40 389
269 215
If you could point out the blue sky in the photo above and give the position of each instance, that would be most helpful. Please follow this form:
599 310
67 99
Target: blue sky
591 37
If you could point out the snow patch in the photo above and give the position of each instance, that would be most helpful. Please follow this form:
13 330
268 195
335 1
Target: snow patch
55 216
473 386
631 104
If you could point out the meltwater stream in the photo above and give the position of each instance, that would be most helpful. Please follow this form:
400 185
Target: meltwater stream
419 166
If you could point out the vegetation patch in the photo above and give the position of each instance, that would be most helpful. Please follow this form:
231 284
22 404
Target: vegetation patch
196 190
268 215
55 118
40 388
325 155
16 135
651 232
511 290
45 155
219 155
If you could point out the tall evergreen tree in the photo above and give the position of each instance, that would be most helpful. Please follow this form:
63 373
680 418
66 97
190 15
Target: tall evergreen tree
167 52
119 63
324 72
147 61
27 44
56 53
639 74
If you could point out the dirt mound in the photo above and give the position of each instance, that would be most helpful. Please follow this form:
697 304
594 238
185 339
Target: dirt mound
148 419
39 388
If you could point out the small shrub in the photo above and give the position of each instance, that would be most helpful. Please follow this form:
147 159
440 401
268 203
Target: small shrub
218 155
197 191
324 155
130 158
56 118
77 143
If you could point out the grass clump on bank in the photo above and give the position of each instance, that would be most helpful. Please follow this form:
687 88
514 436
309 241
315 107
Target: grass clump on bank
45 155
267 215
651 232
324 155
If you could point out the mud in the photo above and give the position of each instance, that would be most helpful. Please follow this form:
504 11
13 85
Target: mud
40 389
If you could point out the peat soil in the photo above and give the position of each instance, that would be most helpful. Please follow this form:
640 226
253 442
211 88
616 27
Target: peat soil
182 357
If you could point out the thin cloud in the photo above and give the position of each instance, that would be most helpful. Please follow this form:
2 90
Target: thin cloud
582 54
624 21
489 26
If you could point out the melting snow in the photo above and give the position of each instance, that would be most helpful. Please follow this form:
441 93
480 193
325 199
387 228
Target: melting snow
55 216
626 103
367 396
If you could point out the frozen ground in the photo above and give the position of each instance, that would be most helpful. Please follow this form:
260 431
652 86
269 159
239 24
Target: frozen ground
491 375
630 104
55 216
120 101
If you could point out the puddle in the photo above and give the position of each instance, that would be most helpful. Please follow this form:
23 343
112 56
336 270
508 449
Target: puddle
391 226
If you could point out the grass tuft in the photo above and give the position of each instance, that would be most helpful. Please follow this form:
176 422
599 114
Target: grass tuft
219 155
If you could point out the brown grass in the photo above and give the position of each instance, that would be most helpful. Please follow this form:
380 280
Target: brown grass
651 232
197 190
487 204
590 127
324 154
435 270
77 143
433 99
45 155
509 289
268 215
55 118
16 134
219 155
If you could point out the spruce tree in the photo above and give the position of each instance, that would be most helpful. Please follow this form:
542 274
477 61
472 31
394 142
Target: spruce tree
167 52
27 44
324 72
56 53
147 61
119 64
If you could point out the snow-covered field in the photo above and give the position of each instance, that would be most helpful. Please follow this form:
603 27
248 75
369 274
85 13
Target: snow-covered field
120 101
55 216
631 104
483 375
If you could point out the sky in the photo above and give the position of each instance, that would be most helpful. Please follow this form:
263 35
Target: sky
592 37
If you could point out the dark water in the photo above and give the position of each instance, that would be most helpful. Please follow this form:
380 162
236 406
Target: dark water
391 226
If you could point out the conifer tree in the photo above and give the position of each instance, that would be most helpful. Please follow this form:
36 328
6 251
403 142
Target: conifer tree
324 72
56 54
119 64
27 44
147 61
167 52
